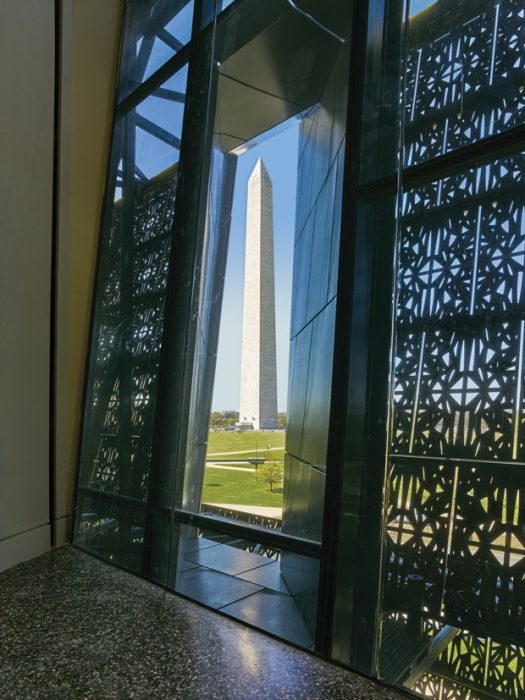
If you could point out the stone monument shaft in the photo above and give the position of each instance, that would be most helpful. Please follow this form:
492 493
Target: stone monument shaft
258 404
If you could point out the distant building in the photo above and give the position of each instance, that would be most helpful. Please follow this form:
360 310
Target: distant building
258 404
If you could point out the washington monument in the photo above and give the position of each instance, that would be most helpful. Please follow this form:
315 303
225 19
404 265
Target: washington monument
258 403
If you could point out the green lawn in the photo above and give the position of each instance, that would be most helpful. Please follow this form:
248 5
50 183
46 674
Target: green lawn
243 488
254 443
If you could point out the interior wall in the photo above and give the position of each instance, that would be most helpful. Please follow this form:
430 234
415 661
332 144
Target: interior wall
90 41
27 48
90 47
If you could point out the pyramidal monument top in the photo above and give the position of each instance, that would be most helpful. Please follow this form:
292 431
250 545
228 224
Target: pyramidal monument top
259 170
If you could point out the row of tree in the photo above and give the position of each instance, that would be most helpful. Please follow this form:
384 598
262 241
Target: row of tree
225 419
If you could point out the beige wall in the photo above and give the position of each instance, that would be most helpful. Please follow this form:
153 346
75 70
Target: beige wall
26 179
91 35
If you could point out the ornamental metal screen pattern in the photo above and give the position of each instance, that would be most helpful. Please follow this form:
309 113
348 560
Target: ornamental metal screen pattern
456 501
136 238
128 350
471 663
465 81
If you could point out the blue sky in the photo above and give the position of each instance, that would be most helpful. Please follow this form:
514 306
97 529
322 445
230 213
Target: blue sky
417 6
279 153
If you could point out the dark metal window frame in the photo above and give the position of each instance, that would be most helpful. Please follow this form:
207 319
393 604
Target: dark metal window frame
187 249
343 636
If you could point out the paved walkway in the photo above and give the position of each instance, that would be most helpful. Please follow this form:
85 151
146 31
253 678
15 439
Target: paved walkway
245 452
265 511
213 465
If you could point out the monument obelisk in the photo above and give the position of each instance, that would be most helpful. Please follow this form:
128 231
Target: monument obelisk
258 403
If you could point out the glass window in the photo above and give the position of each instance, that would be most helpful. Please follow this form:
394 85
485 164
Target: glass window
251 141
269 276
128 322
154 32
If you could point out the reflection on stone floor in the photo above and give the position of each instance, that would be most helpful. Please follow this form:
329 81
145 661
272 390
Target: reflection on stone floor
73 626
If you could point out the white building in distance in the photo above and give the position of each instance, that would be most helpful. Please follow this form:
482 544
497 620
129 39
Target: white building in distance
258 404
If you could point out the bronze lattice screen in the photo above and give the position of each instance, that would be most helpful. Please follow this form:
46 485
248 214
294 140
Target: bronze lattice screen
456 498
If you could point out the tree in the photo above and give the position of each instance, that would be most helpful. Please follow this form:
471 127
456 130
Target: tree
271 472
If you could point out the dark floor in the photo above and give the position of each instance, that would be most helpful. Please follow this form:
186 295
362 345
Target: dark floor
74 627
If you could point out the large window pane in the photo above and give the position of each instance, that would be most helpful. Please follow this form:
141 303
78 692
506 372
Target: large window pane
277 166
142 473
128 322
268 128
154 32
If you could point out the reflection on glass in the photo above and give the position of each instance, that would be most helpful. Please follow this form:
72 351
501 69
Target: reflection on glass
113 531
154 32
254 583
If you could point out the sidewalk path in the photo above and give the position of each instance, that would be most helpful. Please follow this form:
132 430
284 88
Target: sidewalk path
265 511
213 465
244 452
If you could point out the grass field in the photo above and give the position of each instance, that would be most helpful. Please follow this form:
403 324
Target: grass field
243 488
253 443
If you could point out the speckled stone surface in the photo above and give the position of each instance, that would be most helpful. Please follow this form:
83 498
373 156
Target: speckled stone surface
74 627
